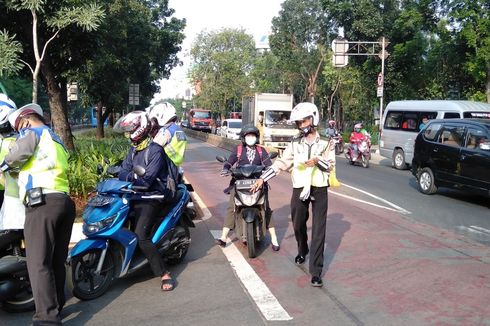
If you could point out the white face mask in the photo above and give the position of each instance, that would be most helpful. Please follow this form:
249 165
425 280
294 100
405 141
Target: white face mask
250 140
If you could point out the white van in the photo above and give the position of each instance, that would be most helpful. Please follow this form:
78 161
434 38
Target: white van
402 120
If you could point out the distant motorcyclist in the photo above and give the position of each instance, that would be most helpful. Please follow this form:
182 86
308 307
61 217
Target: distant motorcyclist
356 137
166 132
160 179
331 130
248 152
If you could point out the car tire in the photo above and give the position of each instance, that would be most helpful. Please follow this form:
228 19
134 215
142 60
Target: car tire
426 181
398 161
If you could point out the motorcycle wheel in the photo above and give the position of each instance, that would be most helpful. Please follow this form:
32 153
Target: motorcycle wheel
251 236
184 248
23 301
364 161
81 277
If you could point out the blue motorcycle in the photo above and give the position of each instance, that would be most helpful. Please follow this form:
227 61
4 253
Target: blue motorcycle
111 248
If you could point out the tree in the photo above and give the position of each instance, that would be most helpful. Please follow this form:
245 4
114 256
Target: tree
9 54
298 39
137 43
87 17
223 61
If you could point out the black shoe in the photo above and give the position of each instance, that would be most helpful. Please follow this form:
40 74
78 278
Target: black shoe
276 248
316 281
220 243
299 260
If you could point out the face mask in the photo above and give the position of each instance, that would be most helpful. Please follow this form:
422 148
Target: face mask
250 140
358 130
306 130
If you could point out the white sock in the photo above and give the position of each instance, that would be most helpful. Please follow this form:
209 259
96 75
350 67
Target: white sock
224 234
274 241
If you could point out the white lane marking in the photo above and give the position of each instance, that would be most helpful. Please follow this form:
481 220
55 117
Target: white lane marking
395 207
478 230
260 293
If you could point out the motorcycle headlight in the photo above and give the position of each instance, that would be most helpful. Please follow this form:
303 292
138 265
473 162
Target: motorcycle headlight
249 199
90 228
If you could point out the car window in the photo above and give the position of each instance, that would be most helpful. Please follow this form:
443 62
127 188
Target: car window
393 120
451 115
452 136
410 121
475 137
430 132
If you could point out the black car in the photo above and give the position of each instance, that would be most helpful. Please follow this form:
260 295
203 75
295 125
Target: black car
453 153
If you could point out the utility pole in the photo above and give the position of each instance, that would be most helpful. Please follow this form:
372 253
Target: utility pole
342 49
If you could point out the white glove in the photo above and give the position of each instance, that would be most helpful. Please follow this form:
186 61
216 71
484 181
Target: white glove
305 193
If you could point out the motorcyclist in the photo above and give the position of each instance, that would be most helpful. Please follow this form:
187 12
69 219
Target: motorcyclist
331 130
159 178
12 204
248 152
166 132
356 137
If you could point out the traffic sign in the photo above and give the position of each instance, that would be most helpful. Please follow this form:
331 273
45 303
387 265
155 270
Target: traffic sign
134 94
379 91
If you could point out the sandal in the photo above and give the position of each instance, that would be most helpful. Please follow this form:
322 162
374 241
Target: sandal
164 285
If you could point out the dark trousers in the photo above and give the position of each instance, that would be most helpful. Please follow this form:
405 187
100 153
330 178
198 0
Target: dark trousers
146 213
47 232
300 215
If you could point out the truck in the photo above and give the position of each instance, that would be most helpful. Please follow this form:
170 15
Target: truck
270 112
200 119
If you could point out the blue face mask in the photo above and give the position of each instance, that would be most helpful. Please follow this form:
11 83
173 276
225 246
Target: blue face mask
358 130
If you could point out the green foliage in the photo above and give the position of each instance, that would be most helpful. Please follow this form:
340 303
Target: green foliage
82 173
9 54
222 64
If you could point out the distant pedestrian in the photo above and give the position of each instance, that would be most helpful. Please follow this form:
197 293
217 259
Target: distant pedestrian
310 159
42 161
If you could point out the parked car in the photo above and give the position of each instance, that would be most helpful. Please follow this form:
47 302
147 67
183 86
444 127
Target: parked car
453 153
230 128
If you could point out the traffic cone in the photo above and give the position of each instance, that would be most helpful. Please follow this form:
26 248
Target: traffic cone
332 179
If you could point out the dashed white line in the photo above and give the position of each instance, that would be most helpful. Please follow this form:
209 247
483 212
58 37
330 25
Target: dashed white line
267 303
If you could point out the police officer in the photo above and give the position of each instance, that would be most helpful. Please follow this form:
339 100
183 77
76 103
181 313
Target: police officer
311 159
42 161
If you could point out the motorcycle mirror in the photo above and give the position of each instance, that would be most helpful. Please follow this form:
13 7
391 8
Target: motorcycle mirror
139 170
273 155
100 169
220 159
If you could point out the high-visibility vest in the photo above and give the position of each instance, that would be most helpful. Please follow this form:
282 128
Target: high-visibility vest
47 167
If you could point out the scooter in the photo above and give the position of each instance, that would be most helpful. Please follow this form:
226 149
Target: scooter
363 153
111 248
250 207
15 287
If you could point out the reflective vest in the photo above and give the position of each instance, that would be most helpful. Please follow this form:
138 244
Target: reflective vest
301 152
47 167
175 147
5 144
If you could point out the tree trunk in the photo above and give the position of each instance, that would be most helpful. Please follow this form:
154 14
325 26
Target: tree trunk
57 104
99 133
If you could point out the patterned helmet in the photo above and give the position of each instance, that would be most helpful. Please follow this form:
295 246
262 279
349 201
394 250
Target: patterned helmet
136 124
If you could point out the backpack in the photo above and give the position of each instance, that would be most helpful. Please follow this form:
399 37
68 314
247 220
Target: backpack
239 151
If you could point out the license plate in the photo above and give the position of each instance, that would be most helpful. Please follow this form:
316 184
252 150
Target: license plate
244 184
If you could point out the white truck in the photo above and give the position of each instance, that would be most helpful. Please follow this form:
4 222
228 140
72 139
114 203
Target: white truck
270 113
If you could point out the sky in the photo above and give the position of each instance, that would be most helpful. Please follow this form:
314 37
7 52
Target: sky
255 16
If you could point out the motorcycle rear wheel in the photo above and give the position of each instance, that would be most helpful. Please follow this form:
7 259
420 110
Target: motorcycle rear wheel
251 237
81 277
23 302
180 257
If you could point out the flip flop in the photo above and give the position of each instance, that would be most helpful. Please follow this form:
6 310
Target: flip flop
168 281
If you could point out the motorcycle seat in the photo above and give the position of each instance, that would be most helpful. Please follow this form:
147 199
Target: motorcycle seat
12 264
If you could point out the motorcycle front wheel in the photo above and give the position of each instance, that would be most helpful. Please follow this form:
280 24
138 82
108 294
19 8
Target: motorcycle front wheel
82 280
251 237
365 161
22 302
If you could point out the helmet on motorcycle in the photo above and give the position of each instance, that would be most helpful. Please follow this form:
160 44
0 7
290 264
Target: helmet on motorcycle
136 124
331 123
163 113
305 110
7 106
248 130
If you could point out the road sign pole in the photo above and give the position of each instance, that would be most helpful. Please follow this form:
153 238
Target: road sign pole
382 80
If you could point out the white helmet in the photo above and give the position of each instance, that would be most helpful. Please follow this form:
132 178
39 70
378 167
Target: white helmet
7 106
305 110
162 112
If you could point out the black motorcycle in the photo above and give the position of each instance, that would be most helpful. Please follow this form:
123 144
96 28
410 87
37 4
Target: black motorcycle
15 288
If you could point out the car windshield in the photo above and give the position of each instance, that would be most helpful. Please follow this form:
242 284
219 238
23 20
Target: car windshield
278 118
235 124
202 114
477 115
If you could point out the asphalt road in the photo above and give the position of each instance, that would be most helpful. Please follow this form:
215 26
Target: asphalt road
387 262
